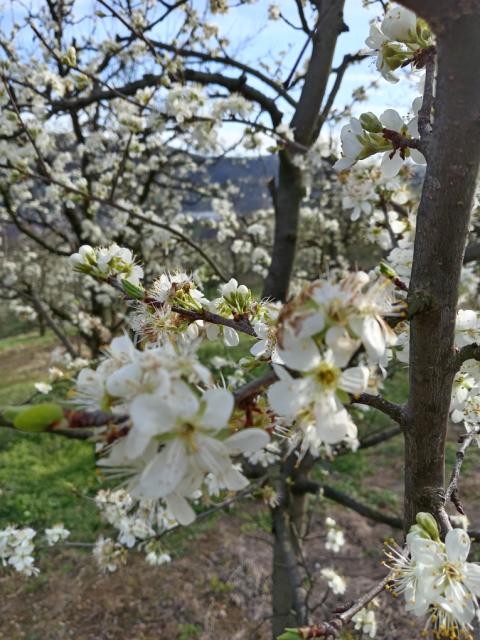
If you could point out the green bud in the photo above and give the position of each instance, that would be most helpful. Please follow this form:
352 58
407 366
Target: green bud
70 57
132 290
370 122
428 523
423 33
387 271
37 417
415 528
289 634
394 55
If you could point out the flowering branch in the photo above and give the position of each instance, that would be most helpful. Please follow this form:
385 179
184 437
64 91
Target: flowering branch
451 492
333 628
241 324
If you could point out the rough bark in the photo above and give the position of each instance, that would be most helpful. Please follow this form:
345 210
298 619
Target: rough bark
441 233
289 588
289 191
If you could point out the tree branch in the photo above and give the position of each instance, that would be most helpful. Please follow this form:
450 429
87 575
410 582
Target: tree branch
395 411
309 486
451 492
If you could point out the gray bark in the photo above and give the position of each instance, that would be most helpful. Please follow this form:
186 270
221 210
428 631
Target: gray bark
441 233
289 191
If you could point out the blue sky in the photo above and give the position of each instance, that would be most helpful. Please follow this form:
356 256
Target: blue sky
256 40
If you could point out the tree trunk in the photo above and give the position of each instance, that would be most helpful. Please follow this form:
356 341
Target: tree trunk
289 579
442 226
289 190
288 196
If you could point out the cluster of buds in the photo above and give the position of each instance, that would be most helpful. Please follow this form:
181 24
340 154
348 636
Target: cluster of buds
401 38
106 263
389 134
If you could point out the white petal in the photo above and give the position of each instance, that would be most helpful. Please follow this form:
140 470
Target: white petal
341 344
219 406
311 325
457 545
354 379
286 398
392 120
298 354
230 337
212 455
180 509
163 474
233 480
247 440
417 156
390 166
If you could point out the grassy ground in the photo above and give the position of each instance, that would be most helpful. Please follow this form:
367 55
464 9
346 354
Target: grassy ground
40 475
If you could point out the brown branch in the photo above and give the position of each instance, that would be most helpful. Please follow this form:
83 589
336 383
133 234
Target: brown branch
381 436
333 628
451 492
468 352
242 324
201 55
309 486
254 387
472 252
395 411
348 59
425 111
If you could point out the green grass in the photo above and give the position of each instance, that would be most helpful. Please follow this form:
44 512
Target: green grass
26 341
41 474
46 479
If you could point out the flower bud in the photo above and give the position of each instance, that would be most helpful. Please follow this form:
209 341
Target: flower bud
70 57
428 523
37 417
132 290
387 271
370 122
289 634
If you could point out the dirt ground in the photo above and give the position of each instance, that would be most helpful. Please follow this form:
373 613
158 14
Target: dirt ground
217 590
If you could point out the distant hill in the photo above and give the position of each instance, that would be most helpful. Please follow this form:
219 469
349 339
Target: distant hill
249 175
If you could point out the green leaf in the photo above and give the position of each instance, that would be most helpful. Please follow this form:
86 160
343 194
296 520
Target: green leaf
36 418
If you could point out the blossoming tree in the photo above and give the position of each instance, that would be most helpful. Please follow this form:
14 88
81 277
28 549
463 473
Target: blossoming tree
172 430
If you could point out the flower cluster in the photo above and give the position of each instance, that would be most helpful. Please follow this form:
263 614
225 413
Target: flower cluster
436 579
335 536
107 262
177 424
109 554
17 546
16 549
389 134
400 38
319 333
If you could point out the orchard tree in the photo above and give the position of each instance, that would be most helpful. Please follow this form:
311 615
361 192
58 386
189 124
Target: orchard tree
168 425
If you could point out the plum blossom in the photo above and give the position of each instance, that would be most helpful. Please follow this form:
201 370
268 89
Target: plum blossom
17 548
335 582
436 579
55 534
107 262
